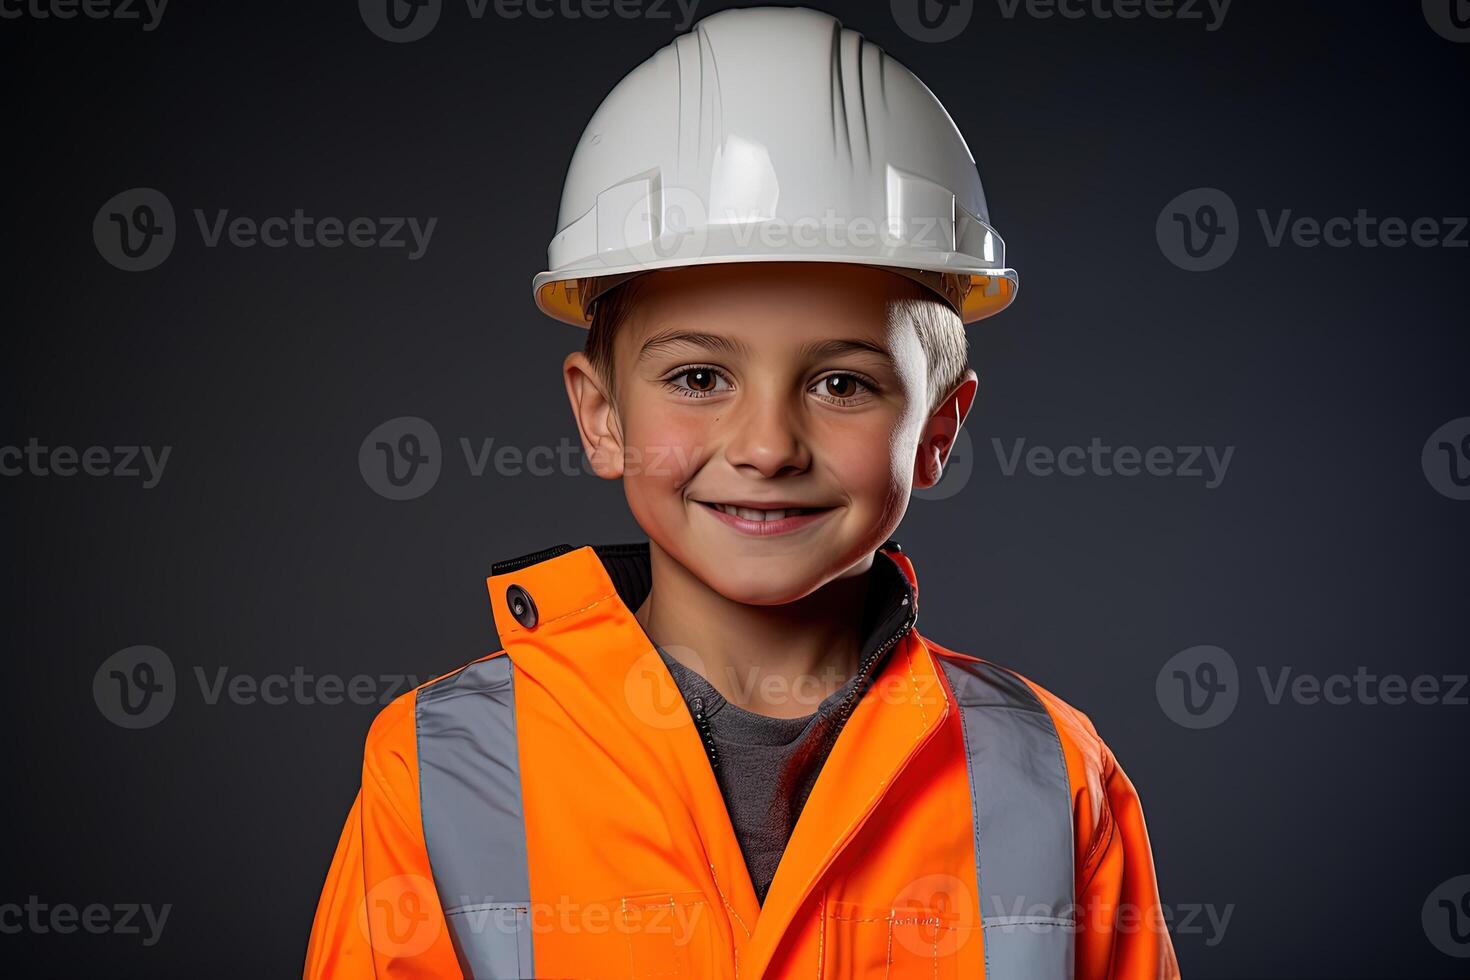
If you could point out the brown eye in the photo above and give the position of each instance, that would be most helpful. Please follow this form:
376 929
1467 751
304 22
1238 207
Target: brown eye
844 389
705 377
697 382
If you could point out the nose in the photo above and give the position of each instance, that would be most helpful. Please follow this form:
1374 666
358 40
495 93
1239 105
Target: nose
766 435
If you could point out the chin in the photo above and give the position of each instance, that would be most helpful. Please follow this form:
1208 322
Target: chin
759 581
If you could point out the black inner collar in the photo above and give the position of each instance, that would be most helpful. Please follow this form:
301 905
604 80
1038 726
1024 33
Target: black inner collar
884 612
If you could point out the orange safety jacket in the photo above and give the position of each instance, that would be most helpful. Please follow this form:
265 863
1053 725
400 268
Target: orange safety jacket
549 811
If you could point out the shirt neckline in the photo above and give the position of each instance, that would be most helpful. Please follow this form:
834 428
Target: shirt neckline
888 590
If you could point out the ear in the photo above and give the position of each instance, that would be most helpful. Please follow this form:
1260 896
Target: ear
941 430
596 416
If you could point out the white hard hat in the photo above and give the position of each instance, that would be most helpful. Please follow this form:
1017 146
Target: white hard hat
773 134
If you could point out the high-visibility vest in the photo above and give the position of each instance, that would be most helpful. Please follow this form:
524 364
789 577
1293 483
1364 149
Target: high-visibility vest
549 811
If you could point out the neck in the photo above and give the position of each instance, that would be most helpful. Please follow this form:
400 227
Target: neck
780 660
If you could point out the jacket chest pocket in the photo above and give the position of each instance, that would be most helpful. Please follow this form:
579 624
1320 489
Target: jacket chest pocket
667 935
925 940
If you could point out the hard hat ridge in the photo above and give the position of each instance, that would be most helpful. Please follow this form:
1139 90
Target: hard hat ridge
773 134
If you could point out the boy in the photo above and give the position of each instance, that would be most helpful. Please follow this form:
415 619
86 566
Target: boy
726 751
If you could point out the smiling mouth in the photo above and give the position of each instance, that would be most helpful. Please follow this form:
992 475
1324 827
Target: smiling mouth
754 514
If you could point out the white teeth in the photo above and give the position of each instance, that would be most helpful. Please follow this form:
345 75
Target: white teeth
756 515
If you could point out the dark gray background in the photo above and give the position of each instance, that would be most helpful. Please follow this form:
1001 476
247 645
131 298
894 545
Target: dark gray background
1324 828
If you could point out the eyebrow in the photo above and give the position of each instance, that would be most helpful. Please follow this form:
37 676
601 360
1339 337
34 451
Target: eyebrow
830 348
719 343
709 341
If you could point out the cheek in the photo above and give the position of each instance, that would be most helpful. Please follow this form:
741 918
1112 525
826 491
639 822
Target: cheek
664 449
870 459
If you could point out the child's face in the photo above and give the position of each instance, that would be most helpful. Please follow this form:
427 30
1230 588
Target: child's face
800 390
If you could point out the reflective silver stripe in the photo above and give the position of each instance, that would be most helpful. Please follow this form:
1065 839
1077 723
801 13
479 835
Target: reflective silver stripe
1022 811
474 826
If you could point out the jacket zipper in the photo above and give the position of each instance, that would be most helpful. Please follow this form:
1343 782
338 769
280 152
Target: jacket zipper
701 722
866 667
515 564
707 736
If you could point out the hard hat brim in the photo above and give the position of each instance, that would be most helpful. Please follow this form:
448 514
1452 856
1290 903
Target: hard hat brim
981 291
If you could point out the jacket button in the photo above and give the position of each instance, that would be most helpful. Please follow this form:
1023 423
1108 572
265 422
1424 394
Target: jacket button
521 606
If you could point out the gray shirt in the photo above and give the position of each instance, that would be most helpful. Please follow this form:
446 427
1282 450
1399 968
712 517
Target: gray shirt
768 766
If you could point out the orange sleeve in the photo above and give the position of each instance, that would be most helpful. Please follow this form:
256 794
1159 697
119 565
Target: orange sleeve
1121 934
379 914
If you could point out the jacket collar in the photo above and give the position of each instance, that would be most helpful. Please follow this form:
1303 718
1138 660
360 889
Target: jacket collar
562 579
544 604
